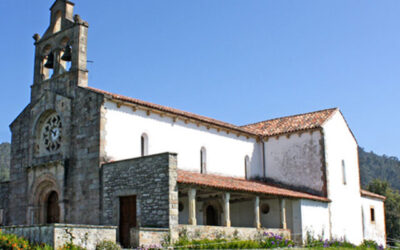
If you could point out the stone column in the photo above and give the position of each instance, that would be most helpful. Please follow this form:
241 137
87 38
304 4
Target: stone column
257 222
192 206
227 213
283 213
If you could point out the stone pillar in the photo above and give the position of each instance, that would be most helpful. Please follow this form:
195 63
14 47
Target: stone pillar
192 206
283 213
227 213
257 222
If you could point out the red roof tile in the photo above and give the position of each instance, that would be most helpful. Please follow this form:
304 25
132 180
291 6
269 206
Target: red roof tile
172 111
239 184
291 123
372 195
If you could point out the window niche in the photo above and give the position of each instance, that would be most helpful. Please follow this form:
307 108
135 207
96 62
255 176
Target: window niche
247 167
344 173
372 212
144 145
203 160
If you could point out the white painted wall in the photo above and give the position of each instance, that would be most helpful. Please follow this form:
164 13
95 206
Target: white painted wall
374 230
225 152
315 219
345 209
296 160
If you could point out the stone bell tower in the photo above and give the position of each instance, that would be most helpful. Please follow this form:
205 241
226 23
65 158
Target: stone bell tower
55 156
60 55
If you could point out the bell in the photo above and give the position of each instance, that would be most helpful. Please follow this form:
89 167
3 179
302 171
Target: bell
67 54
50 61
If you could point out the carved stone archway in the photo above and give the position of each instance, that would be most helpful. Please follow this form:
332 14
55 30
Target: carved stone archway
46 201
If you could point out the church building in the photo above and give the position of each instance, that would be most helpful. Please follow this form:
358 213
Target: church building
84 156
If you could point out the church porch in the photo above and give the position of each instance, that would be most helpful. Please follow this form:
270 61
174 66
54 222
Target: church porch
211 204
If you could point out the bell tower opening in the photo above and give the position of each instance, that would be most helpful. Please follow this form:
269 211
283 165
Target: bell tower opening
60 51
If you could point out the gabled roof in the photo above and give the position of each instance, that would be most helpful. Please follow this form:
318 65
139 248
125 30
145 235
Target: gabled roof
172 111
241 185
366 193
271 127
292 123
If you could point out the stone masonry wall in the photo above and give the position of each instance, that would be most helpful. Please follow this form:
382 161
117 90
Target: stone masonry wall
79 153
4 189
57 235
153 180
83 176
17 206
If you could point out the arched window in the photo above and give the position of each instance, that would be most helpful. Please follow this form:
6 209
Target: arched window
246 167
344 172
144 145
203 160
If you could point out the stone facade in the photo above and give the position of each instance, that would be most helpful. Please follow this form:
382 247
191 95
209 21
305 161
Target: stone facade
153 180
4 191
73 171
57 235
147 237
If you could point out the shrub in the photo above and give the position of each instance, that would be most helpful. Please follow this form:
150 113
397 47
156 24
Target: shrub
12 242
267 240
108 245
71 246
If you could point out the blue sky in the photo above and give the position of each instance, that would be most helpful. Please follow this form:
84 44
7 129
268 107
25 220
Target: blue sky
236 61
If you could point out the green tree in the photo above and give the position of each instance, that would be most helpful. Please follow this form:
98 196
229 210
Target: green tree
392 207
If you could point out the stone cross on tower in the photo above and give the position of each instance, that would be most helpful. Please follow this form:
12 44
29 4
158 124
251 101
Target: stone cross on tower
60 55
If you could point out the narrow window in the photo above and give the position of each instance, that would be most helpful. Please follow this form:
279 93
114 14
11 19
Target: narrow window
344 172
144 145
246 167
372 215
203 160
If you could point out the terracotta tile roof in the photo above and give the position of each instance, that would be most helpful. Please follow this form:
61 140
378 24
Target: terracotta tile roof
372 195
239 184
291 123
173 111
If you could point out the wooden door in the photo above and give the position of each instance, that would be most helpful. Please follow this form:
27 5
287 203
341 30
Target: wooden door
127 218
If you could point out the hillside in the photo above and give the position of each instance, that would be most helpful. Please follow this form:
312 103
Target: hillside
373 166
5 161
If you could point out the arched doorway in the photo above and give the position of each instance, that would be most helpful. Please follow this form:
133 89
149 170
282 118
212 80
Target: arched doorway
211 216
52 208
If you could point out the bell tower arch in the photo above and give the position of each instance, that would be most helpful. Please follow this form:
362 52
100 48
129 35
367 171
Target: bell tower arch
60 54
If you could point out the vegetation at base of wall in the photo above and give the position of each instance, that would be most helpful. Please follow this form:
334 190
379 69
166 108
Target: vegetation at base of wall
71 246
267 240
339 244
13 242
392 209
108 245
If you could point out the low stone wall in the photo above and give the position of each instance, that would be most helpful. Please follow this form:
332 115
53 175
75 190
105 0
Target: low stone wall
149 237
214 232
57 235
